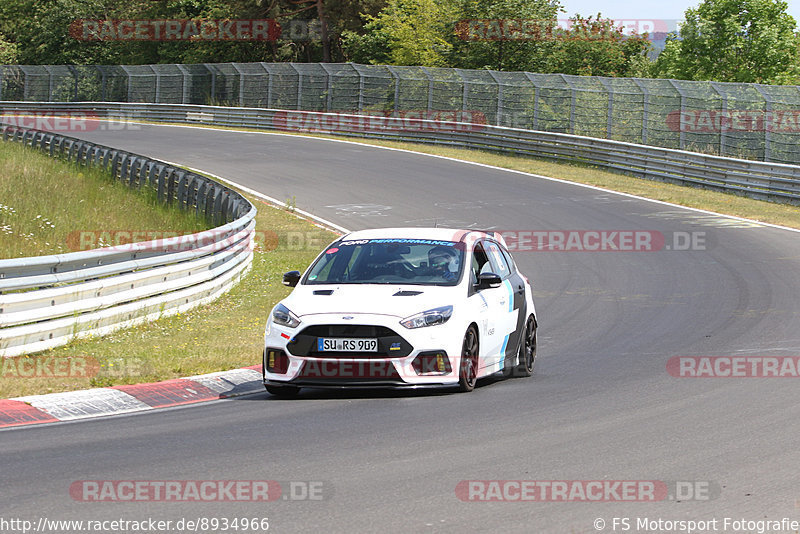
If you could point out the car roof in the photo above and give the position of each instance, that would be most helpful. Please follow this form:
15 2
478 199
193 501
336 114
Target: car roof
435 234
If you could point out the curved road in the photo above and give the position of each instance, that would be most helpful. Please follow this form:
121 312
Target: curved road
601 405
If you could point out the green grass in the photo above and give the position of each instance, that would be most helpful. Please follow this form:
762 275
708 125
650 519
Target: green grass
225 334
47 206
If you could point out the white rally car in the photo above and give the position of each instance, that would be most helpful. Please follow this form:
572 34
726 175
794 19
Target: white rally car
402 307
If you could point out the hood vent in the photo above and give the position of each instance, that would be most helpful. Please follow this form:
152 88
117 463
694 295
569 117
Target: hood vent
404 293
323 291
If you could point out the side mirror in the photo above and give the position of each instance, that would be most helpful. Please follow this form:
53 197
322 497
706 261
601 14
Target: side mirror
489 280
291 278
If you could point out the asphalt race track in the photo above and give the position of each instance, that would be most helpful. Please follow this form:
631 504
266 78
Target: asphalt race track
601 405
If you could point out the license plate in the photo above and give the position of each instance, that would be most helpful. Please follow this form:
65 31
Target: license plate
340 344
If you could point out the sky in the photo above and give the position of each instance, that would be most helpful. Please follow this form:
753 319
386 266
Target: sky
644 9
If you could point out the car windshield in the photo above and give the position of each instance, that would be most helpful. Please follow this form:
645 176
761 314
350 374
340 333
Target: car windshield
389 261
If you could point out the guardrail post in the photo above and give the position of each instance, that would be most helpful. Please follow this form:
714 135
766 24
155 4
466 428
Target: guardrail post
645 107
572 103
241 84
270 77
129 84
767 123
299 87
498 119
25 85
213 72
535 100
103 82
722 133
328 86
430 88
464 90
75 77
163 176
50 89
396 88
360 90
610 116
682 93
186 77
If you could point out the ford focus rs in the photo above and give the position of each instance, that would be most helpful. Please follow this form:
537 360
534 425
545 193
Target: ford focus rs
402 307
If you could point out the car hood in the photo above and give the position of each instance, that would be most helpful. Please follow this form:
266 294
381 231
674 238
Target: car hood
396 300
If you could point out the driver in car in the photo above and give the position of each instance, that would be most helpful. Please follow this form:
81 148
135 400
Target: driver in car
443 262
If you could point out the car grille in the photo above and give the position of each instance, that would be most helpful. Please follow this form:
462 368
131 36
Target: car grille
390 344
326 372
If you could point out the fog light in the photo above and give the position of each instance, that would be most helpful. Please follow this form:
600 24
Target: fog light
432 363
276 361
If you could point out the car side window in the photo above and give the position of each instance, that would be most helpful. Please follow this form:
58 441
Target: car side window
479 260
511 266
497 259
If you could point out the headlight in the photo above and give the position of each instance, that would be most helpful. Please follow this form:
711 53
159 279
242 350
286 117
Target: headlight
428 318
283 316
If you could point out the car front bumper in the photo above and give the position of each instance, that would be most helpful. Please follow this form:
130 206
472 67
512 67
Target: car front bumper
406 358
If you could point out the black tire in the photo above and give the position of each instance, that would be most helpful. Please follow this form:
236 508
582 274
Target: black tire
286 392
527 350
468 368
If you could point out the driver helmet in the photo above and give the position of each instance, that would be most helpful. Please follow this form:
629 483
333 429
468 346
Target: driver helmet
443 258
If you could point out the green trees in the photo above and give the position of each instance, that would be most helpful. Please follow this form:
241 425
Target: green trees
496 47
8 51
38 32
597 47
724 40
516 35
406 32
733 40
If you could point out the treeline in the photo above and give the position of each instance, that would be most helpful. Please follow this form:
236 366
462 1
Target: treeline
724 40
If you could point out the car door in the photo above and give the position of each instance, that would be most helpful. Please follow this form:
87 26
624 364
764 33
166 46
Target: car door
511 304
492 303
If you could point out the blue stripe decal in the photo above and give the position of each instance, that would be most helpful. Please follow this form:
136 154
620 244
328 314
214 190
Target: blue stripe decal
510 290
503 353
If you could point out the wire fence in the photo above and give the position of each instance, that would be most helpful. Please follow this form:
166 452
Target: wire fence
749 121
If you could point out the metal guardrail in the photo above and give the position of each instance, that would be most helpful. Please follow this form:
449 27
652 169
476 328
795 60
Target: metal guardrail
766 181
46 301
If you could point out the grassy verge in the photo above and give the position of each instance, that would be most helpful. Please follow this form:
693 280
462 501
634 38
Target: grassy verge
51 207
226 334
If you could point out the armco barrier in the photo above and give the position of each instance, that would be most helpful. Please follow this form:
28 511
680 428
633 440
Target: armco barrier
766 181
47 301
